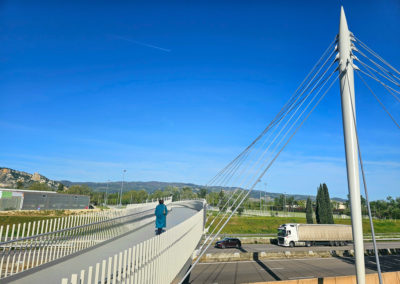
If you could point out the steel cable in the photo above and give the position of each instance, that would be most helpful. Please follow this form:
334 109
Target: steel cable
260 176
378 265
260 158
379 101
377 56
290 108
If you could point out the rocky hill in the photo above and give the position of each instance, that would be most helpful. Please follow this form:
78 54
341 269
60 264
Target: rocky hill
10 178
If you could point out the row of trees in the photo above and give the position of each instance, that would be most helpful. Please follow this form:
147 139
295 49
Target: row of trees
130 196
133 196
323 206
38 186
389 209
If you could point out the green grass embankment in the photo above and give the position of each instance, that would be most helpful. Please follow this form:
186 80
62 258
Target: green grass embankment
269 225
10 220
19 217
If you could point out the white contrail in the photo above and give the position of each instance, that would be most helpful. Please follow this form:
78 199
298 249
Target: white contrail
142 43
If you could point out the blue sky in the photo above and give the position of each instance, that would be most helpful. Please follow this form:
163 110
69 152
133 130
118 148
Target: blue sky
172 91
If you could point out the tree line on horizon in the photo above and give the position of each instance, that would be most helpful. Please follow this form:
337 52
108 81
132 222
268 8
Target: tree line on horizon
324 207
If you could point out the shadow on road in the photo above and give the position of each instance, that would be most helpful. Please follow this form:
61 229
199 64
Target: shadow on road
388 263
263 266
242 249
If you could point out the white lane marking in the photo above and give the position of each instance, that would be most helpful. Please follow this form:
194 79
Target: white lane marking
225 262
303 277
276 268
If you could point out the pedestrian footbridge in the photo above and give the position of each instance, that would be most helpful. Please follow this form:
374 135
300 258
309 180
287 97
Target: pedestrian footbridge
121 249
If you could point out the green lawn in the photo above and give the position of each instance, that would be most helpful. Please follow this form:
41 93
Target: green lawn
9 220
19 217
267 225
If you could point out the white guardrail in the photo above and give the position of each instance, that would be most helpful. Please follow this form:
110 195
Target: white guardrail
32 244
157 260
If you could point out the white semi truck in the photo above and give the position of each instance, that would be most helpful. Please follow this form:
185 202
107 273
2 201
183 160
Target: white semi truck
314 234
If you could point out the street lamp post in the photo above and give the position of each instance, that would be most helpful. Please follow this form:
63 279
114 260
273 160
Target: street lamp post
106 199
122 187
265 196
284 205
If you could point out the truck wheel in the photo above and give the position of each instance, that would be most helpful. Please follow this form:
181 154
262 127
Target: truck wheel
291 244
223 246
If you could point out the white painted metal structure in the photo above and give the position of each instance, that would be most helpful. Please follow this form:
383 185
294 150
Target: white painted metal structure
27 245
156 260
346 74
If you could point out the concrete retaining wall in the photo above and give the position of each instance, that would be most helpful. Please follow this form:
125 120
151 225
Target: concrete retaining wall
241 256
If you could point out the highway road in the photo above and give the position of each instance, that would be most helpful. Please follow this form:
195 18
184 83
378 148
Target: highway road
276 248
284 269
53 272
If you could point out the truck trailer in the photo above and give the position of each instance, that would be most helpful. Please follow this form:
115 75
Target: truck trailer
314 234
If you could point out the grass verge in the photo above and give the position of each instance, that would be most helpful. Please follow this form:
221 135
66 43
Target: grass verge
269 225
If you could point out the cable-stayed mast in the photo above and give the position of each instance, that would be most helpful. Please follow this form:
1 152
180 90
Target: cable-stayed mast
346 74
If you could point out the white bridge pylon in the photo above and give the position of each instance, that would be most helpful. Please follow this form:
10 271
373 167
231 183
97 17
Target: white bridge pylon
346 74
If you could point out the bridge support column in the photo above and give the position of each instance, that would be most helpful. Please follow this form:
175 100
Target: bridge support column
350 140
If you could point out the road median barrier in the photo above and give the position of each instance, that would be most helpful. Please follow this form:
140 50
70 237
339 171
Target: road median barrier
246 256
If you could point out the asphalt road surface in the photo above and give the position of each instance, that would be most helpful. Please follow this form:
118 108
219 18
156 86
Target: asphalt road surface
276 248
285 269
54 273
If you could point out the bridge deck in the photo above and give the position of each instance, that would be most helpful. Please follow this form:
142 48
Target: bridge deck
54 272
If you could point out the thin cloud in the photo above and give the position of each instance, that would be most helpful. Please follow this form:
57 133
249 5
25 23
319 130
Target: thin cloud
142 43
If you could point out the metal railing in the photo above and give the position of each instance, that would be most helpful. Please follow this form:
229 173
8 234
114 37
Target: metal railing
37 243
156 260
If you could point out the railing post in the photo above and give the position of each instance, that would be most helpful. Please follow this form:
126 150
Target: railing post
115 269
109 270
96 273
90 272
103 272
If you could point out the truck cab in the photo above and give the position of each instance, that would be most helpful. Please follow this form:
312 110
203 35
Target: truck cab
287 235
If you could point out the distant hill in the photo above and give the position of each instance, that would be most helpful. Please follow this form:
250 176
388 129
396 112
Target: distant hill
151 186
9 179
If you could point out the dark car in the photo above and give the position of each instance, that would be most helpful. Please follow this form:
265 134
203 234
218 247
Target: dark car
228 243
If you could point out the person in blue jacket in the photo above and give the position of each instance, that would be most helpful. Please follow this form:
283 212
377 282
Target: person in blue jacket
161 216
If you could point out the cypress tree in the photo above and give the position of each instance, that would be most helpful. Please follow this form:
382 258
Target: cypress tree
329 213
324 207
318 207
309 211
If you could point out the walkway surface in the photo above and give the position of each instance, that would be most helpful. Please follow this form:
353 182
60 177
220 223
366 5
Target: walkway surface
70 265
